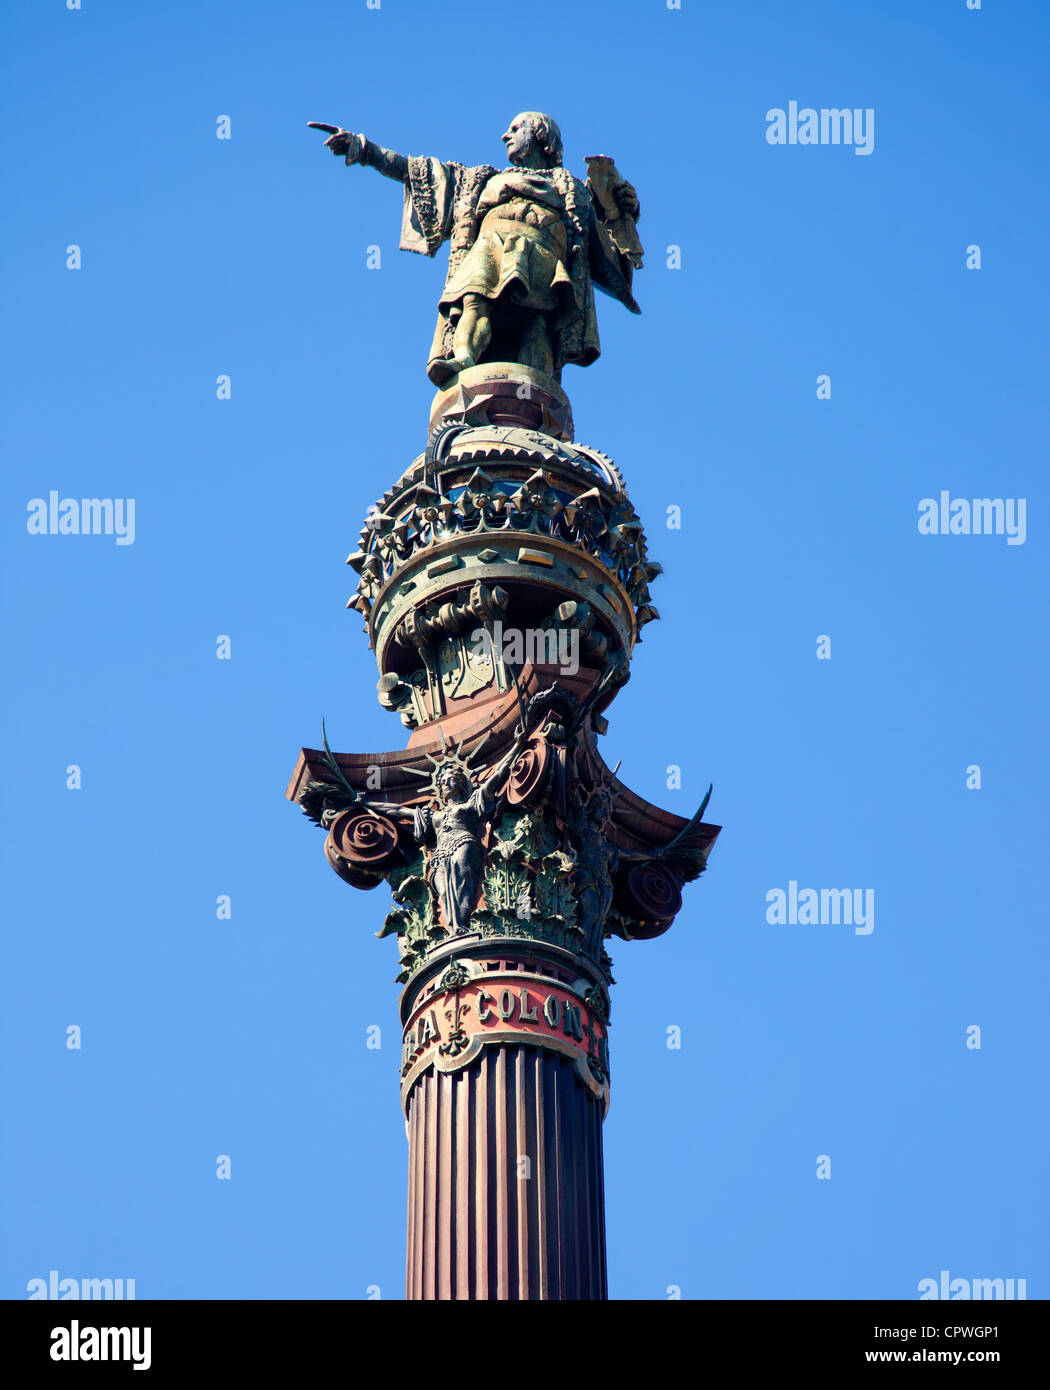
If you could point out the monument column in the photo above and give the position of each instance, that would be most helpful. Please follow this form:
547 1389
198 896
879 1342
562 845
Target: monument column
504 581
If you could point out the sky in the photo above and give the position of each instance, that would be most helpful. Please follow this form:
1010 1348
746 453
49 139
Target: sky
836 673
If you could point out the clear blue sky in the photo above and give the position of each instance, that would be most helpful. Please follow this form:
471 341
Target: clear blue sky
247 257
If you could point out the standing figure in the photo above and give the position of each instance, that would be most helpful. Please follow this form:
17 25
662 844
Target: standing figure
596 862
526 243
454 827
453 830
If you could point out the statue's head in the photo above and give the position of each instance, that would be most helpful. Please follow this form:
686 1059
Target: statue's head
600 806
452 784
533 139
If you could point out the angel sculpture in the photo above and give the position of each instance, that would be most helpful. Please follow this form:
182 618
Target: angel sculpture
452 829
599 862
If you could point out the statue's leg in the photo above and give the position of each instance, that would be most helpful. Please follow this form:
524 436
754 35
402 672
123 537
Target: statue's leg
586 910
534 349
465 867
604 903
473 332
441 883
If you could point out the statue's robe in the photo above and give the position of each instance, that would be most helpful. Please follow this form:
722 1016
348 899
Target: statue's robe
457 860
548 269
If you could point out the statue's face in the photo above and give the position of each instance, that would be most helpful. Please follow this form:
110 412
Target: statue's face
453 785
519 138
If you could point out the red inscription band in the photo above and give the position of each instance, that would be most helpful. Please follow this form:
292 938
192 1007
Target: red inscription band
449 1028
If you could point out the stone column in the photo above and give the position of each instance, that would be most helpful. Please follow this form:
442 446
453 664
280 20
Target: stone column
504 582
505 1183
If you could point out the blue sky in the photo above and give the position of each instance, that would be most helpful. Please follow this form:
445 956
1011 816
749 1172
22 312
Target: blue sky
247 257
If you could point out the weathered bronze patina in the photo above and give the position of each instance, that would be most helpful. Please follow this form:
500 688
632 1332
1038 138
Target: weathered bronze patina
504 581
526 245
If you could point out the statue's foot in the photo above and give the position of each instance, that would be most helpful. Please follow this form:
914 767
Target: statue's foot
443 371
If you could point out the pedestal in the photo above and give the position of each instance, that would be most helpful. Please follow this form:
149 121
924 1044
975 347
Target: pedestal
504 585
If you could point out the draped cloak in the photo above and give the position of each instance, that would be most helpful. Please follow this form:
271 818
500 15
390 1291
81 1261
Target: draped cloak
449 202
458 859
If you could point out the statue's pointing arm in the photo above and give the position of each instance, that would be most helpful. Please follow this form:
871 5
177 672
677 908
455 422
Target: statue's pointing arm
487 791
430 186
356 149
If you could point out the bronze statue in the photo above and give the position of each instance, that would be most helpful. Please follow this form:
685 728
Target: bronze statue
526 245
452 830
596 862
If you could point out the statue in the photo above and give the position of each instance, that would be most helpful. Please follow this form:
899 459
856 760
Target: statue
596 862
527 244
452 830
653 876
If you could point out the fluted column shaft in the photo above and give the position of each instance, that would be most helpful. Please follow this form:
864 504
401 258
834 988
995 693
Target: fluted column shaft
505 1189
